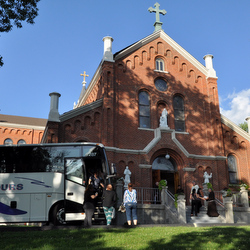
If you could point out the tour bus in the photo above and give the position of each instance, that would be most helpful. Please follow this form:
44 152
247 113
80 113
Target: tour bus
46 182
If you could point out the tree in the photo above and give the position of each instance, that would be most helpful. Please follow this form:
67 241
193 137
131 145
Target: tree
244 126
14 12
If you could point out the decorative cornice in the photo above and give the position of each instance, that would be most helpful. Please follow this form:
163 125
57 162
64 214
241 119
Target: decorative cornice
87 92
234 127
78 111
189 169
168 40
21 126
145 166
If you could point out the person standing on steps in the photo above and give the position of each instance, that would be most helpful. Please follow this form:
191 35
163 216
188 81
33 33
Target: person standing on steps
109 199
199 198
89 204
96 182
193 198
130 202
211 207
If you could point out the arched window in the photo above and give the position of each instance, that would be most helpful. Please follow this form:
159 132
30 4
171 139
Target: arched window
232 169
8 141
144 109
161 163
21 142
159 64
179 117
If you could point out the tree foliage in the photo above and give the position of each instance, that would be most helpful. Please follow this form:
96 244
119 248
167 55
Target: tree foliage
244 126
14 12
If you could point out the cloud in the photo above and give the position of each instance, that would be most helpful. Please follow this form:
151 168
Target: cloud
238 106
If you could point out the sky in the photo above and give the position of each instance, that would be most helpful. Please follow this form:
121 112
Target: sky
66 40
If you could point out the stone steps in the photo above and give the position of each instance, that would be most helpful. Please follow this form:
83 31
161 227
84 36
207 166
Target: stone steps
203 218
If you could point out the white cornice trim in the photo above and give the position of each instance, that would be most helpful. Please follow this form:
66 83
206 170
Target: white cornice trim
235 127
78 111
184 53
168 40
156 139
91 86
22 126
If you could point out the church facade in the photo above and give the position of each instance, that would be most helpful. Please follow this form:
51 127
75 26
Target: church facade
156 110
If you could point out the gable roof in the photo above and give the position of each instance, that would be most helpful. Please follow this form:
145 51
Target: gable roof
135 46
168 40
22 122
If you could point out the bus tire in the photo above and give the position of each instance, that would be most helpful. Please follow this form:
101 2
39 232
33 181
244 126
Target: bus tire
59 215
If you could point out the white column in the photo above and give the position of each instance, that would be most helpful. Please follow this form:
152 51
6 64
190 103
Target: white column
181 208
108 55
209 65
228 204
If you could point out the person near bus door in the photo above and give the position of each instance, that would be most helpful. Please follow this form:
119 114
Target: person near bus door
109 199
96 181
89 204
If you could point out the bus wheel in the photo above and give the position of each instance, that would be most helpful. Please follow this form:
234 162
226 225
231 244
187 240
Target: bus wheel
59 215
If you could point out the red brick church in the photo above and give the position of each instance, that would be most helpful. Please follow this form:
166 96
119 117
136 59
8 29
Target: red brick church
156 110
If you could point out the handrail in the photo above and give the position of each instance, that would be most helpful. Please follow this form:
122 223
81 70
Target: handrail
170 202
219 203
170 195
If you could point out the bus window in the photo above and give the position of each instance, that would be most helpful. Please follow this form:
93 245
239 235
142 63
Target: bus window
75 170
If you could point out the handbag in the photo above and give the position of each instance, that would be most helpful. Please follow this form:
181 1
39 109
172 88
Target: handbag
113 213
122 208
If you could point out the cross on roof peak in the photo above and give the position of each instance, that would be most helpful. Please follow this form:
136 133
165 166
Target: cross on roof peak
157 10
84 75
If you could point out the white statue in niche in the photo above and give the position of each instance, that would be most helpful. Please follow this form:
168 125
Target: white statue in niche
164 118
127 174
207 177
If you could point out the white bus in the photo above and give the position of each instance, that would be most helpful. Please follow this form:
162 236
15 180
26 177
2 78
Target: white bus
46 182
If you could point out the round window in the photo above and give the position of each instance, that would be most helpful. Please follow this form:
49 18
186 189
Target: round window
161 85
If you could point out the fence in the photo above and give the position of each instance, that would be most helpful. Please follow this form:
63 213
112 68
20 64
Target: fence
147 195
236 198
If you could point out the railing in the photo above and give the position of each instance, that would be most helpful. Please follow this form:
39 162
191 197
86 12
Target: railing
148 195
170 201
219 198
235 198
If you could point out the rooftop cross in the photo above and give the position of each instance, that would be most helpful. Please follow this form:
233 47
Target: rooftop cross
84 75
157 23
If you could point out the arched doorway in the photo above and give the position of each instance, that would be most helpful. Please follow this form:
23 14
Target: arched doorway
165 169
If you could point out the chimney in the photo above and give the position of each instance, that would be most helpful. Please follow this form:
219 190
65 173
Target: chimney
54 100
209 65
248 123
108 55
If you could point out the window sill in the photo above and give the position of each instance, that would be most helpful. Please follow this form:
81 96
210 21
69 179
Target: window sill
160 71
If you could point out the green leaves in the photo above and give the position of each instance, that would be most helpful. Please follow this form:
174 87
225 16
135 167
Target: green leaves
14 12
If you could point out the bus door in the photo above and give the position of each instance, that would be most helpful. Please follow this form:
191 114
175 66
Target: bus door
74 188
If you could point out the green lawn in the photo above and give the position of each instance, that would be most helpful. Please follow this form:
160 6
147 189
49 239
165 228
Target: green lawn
134 238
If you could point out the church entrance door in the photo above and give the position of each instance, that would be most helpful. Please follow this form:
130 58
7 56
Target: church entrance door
165 169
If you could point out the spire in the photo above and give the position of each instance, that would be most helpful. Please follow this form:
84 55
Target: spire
157 23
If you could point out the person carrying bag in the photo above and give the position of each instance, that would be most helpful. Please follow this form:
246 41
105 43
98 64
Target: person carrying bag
130 202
